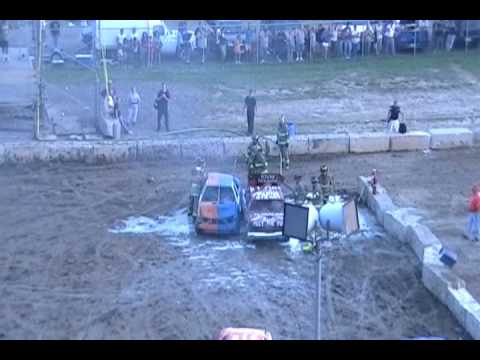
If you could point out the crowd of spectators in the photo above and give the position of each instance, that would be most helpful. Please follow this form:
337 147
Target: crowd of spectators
288 43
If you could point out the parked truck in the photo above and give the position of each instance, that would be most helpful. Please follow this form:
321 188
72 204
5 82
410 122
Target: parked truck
108 30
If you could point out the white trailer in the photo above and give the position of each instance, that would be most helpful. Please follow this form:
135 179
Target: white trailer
107 31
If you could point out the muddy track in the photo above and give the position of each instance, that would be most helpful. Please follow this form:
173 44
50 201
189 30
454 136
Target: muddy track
76 279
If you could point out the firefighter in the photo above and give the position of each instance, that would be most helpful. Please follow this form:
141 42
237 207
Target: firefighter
300 192
315 191
257 163
282 142
198 177
327 184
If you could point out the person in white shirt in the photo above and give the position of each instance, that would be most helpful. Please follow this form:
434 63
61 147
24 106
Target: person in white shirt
378 38
355 41
300 43
390 38
334 40
133 104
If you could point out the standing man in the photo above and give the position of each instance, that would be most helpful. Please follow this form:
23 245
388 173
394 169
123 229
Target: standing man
472 231
390 38
4 40
347 41
451 35
282 142
327 184
251 108
300 43
393 117
300 191
161 105
198 178
55 32
201 36
133 104
249 39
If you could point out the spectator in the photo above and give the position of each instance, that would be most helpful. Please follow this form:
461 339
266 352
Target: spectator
144 49
355 41
290 45
393 117
263 40
223 45
4 40
133 104
347 41
134 34
237 49
472 232
313 43
378 38
390 38
120 38
250 107
451 35
55 32
300 43
368 39
127 52
438 33
334 41
186 50
157 48
326 38
202 41
249 40
161 105
135 52
281 46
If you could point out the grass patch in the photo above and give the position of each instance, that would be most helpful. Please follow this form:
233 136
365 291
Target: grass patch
362 72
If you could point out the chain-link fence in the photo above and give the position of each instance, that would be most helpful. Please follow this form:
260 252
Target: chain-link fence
79 57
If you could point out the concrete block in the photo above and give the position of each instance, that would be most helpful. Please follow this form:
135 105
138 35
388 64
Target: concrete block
158 149
419 237
108 152
369 142
457 300
211 148
411 141
448 138
298 145
434 281
472 323
397 221
381 204
437 277
329 143
70 151
236 146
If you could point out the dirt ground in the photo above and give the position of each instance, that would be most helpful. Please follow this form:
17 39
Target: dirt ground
67 275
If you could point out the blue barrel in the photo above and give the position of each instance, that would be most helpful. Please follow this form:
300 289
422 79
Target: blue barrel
292 129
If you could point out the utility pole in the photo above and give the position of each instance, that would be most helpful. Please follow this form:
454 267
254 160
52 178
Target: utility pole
39 102
95 66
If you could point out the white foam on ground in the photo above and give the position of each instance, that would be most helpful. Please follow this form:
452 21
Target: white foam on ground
174 226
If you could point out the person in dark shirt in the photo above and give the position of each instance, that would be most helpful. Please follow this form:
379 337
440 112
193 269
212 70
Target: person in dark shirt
250 107
55 32
161 105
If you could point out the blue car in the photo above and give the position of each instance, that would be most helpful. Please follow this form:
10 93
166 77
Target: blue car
220 206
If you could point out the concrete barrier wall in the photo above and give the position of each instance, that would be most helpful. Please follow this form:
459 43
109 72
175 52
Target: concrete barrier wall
369 142
329 144
412 141
448 138
440 280
126 150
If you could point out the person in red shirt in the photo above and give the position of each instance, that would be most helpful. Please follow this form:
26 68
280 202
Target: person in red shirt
473 228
